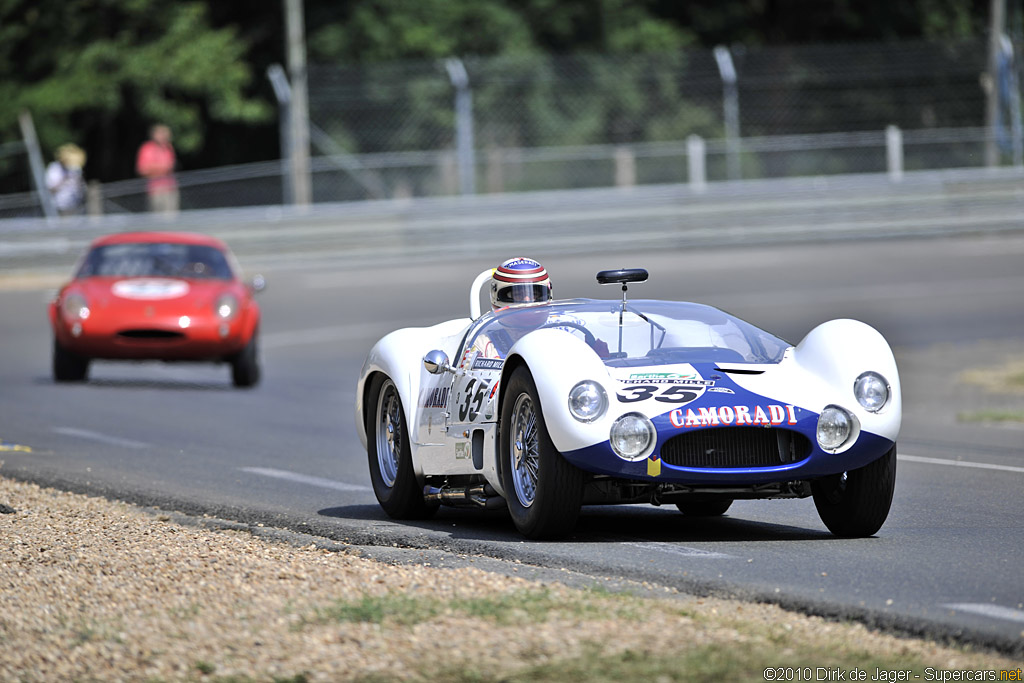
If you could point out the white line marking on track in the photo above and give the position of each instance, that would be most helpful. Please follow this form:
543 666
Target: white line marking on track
681 550
305 479
102 438
958 463
986 610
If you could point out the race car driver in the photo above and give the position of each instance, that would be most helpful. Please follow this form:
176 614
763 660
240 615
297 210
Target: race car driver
521 284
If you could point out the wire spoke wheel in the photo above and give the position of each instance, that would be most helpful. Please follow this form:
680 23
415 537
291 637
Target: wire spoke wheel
389 454
544 491
524 450
390 432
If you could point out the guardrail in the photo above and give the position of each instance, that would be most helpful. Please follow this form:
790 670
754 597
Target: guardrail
570 221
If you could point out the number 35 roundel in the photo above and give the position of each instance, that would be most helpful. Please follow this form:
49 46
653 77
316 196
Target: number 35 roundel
674 393
473 402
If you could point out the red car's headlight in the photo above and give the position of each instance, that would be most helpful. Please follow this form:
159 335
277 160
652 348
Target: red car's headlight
75 307
226 307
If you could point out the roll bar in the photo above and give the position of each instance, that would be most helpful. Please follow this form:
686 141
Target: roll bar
474 292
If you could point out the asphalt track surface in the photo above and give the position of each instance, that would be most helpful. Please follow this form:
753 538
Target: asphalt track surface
949 562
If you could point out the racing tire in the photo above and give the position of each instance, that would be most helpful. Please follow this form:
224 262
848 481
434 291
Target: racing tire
389 455
67 366
704 508
855 504
245 366
543 490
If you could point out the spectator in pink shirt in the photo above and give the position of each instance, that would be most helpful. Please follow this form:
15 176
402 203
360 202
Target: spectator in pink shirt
156 161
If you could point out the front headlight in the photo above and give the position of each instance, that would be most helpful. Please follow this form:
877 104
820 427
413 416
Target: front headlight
587 401
834 427
872 391
226 307
75 307
632 436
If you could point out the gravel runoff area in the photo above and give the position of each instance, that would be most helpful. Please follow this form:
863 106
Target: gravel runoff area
92 589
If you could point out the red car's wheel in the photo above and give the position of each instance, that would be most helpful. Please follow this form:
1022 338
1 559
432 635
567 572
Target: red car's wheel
67 366
245 366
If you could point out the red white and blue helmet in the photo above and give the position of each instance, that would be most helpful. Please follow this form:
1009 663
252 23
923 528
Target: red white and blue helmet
519 281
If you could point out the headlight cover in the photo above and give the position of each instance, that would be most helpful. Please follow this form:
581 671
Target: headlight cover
75 307
588 401
632 436
872 391
226 307
835 425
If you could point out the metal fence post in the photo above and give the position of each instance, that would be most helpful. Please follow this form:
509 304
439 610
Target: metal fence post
300 164
997 21
731 106
463 124
894 152
35 160
94 199
695 158
283 93
625 167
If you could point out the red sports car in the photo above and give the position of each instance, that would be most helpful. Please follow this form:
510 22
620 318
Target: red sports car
169 296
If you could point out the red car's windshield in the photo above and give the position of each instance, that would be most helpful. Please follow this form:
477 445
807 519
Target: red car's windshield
156 259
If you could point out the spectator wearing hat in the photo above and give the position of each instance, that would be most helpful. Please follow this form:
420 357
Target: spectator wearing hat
65 180
156 161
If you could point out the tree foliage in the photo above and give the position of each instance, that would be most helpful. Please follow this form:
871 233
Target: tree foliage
98 72
92 71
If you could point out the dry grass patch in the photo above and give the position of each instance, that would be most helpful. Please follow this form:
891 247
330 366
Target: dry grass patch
1007 378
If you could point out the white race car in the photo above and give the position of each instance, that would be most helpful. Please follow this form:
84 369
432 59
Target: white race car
550 407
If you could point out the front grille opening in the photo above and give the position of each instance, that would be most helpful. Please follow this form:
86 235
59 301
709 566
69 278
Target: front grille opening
159 335
736 447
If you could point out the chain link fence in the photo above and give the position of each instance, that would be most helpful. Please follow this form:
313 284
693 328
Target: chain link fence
571 122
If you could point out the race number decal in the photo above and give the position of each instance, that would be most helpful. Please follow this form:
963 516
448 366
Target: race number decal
473 401
149 289
672 393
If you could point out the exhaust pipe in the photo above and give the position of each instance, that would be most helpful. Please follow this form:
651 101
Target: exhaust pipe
480 495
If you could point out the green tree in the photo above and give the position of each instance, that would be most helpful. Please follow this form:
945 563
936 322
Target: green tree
98 72
508 48
392 30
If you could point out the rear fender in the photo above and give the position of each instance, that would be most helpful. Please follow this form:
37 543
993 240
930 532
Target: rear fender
399 355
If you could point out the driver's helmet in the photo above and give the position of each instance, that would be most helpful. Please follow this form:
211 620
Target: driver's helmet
519 281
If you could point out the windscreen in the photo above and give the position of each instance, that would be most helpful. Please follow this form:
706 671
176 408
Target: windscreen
643 332
156 259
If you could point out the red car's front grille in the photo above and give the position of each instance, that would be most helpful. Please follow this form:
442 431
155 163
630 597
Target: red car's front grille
152 335
736 447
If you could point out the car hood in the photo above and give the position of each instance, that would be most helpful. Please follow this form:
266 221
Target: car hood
154 294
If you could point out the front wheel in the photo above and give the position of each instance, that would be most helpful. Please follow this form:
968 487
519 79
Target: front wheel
245 366
67 366
855 504
543 490
390 458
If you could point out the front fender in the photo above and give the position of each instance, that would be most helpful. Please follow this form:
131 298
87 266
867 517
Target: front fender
558 360
251 325
823 367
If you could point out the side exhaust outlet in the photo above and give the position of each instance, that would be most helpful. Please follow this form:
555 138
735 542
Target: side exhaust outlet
479 495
